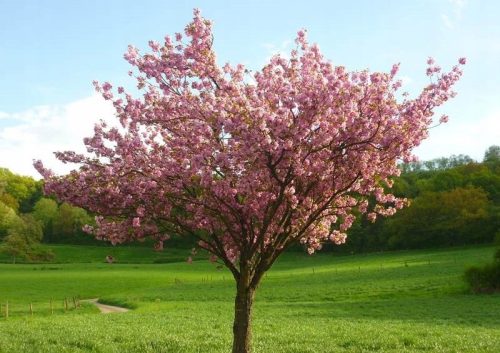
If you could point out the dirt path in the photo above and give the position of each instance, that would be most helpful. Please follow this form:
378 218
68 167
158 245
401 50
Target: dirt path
106 309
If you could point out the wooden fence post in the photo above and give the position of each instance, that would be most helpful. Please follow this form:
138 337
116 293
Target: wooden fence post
31 309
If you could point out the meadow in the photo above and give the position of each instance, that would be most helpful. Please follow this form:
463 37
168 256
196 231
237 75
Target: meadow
407 301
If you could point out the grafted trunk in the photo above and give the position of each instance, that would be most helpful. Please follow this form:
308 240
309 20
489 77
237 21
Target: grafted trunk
242 329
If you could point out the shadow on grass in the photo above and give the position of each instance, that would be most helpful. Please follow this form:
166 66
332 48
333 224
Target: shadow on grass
458 309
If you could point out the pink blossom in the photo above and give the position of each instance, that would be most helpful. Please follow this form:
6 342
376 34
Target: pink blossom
88 229
394 70
140 212
443 119
158 246
363 206
106 86
154 45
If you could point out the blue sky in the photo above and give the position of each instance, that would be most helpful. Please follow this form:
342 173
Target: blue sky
50 51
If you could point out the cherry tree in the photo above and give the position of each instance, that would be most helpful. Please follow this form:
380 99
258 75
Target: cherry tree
246 163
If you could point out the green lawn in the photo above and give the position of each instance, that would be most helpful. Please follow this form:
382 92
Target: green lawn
393 302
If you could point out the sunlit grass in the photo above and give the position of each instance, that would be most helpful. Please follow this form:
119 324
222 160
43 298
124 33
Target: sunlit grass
395 302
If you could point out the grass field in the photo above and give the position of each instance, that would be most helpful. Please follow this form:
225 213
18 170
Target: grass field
393 302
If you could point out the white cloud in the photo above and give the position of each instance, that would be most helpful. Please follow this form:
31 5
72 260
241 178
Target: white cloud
406 80
471 138
457 7
447 22
38 132
3 115
283 49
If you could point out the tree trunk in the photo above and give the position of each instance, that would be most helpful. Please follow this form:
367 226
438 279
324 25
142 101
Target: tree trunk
242 329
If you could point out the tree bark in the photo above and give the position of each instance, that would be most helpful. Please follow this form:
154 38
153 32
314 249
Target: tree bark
242 329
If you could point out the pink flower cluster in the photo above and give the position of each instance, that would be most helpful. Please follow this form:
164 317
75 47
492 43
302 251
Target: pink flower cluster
248 166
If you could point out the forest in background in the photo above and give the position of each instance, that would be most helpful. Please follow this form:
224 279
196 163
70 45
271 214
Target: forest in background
28 218
455 201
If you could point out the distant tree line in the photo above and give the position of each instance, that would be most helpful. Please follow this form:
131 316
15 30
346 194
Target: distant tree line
455 201
27 218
